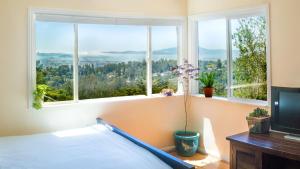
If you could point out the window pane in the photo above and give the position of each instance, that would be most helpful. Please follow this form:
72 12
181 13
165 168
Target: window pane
164 56
212 53
54 51
111 60
249 58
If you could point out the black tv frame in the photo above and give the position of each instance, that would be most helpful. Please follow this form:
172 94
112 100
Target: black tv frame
274 108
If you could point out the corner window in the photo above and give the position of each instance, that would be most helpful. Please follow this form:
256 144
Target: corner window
86 57
235 48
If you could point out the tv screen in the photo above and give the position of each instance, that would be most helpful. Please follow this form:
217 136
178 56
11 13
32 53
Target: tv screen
289 109
286 109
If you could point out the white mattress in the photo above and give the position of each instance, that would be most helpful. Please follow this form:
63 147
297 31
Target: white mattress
93 147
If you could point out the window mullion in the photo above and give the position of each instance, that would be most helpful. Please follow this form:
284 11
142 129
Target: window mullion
75 65
193 56
149 61
179 53
229 58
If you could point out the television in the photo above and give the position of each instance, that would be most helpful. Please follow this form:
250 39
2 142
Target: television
285 110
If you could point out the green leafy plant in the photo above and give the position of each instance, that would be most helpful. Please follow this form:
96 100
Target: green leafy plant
258 112
207 79
38 96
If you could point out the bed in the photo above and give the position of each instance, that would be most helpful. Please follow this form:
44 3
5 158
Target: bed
101 146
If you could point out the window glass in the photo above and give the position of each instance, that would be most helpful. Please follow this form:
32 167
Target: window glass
249 67
164 57
213 53
54 59
111 60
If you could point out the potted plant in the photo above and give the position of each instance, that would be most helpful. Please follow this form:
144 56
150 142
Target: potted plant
259 121
167 92
39 94
208 80
186 142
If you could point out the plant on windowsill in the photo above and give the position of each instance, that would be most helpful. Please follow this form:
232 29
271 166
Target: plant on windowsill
186 142
208 80
38 96
259 121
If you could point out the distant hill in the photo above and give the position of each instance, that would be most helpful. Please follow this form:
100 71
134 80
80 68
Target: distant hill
215 54
212 54
125 52
56 59
167 51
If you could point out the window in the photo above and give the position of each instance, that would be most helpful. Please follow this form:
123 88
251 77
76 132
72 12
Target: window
249 64
212 52
235 49
164 56
82 57
54 59
112 60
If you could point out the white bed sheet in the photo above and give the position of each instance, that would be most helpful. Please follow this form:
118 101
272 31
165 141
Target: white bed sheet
94 147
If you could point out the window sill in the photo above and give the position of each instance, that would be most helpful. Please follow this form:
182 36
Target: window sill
154 96
259 103
105 100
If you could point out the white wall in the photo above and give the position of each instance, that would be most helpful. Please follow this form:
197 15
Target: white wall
152 120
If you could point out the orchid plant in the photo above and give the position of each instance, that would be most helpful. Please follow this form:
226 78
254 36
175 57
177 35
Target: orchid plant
185 73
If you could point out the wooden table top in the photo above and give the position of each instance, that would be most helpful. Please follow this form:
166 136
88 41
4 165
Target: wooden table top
273 143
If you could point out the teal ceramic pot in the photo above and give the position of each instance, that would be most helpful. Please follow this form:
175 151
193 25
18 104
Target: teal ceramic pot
186 142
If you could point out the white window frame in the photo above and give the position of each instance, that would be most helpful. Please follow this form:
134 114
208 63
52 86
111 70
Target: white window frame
83 17
193 20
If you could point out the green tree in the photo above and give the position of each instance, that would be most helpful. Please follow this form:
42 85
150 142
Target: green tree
250 67
108 80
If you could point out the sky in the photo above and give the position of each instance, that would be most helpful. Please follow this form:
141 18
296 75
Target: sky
54 37
212 34
94 39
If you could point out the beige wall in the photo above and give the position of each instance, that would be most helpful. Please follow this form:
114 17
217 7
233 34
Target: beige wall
228 118
153 120
204 6
216 119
